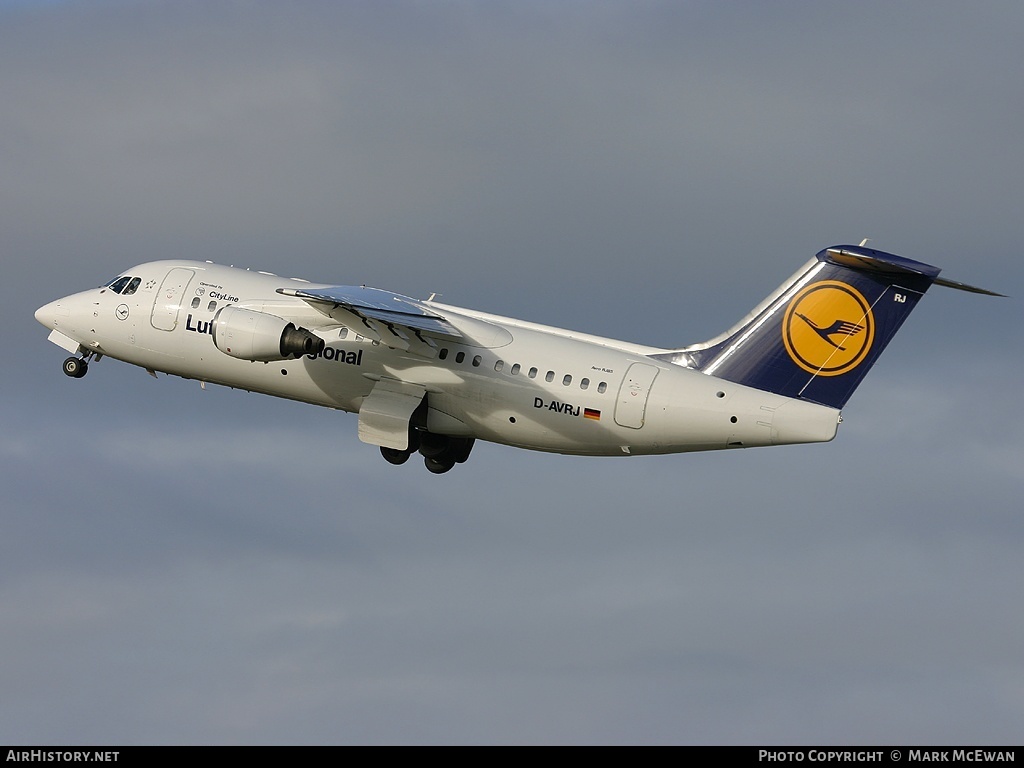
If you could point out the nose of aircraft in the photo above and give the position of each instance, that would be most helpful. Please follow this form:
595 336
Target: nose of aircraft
48 313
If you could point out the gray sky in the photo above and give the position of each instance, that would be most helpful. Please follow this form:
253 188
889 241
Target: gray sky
220 567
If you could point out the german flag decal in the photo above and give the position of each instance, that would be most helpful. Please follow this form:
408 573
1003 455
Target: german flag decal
590 413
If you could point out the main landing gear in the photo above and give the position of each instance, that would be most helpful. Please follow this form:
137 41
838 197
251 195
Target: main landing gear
440 452
76 367
394 456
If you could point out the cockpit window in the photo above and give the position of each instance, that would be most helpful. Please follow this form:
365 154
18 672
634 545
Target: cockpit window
125 285
120 284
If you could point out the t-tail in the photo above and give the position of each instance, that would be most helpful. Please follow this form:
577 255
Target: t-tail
818 334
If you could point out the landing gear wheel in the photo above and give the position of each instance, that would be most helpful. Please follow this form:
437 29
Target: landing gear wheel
433 446
394 456
461 448
75 367
438 467
414 440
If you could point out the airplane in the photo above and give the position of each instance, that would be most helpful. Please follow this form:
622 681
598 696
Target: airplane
431 378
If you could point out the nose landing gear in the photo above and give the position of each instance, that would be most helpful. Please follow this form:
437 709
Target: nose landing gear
76 367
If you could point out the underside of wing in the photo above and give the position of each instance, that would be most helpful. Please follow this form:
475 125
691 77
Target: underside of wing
394 319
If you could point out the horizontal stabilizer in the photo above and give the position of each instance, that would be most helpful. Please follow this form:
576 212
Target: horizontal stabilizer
868 260
965 287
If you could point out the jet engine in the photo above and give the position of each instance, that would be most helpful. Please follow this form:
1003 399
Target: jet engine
260 336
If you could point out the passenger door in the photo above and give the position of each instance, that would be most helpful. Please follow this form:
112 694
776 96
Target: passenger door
167 304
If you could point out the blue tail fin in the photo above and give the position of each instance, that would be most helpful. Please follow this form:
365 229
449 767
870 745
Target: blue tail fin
817 336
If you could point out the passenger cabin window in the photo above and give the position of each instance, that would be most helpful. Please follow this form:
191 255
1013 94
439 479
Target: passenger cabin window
533 373
499 365
566 380
549 376
584 383
515 369
343 333
195 303
476 361
211 306
460 357
602 387
442 355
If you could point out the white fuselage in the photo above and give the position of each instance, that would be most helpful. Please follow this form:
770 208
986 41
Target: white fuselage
505 381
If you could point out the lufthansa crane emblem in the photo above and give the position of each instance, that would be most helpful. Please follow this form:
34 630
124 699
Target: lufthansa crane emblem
828 328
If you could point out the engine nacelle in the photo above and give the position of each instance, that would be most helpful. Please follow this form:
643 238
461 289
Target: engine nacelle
260 336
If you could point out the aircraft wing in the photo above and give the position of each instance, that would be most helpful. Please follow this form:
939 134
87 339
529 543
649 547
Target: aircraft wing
394 319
